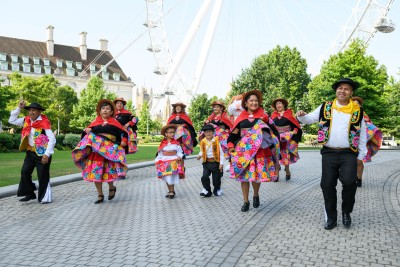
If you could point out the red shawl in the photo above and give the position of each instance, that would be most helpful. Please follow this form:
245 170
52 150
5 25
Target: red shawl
244 115
183 116
123 111
224 118
44 123
164 143
288 114
110 121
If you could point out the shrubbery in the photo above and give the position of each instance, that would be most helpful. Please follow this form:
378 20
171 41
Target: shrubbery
71 140
143 139
9 142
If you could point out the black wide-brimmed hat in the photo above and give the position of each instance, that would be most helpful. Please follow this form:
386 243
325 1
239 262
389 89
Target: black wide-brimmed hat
35 105
207 127
349 81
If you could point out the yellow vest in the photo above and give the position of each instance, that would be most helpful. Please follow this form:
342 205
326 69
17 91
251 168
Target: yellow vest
215 149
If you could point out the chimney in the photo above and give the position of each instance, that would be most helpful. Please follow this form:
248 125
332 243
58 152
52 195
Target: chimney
83 46
103 44
50 41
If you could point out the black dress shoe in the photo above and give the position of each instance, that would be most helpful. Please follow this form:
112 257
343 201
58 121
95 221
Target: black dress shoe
28 197
287 177
346 219
100 199
209 194
246 206
330 224
359 182
256 202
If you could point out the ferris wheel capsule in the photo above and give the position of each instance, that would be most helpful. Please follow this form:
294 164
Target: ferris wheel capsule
385 25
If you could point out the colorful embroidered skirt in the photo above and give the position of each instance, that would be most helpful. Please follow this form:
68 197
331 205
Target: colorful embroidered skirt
374 141
132 141
170 167
252 160
289 153
100 159
182 134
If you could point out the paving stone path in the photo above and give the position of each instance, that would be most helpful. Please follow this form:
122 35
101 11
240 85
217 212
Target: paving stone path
140 227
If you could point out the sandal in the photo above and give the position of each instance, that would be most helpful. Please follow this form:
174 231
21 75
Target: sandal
100 199
110 191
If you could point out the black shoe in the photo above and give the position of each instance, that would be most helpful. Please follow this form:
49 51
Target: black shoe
209 194
256 202
246 206
277 179
346 219
110 191
28 197
171 195
100 199
287 177
359 182
330 224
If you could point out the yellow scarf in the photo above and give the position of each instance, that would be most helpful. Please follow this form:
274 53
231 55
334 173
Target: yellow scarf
348 109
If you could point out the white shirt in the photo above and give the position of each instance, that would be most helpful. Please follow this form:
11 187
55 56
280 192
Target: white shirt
339 130
20 122
210 154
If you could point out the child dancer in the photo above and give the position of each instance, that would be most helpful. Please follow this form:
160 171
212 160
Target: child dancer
169 162
213 162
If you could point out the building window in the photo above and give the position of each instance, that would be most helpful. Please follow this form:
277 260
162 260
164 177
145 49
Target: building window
105 75
59 63
3 56
69 64
103 68
36 60
37 69
15 66
14 58
78 65
3 65
46 62
27 67
92 67
47 69
25 59
70 72
116 77
93 73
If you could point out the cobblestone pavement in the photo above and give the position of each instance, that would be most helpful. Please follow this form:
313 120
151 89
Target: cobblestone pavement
140 227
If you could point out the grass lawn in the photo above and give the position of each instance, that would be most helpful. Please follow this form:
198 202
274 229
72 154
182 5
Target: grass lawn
11 163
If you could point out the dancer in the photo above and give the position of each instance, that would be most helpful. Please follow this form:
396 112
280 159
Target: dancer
290 134
185 133
213 161
100 154
38 140
254 148
374 141
343 135
129 122
169 163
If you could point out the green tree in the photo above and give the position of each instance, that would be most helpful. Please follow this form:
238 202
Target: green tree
145 124
391 118
356 64
6 95
199 110
84 111
280 73
46 90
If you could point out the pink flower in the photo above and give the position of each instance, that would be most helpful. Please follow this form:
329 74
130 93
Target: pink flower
321 136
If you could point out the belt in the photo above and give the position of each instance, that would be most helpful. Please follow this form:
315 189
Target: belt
211 160
31 148
169 153
337 148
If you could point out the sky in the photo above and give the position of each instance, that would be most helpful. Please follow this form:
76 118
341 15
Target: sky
245 30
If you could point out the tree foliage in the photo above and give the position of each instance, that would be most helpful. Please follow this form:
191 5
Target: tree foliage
391 118
46 90
84 112
200 108
6 95
280 73
356 64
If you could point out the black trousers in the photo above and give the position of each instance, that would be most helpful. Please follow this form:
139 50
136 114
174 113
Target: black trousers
26 186
211 168
342 165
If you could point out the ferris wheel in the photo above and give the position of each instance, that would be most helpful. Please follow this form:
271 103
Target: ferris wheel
368 18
